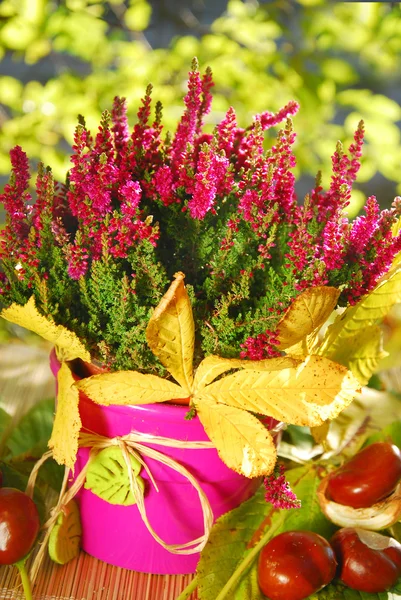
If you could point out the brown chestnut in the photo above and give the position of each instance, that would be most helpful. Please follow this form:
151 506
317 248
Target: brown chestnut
294 565
371 475
367 561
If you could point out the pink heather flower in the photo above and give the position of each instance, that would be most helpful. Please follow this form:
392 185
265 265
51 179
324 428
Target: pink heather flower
335 236
226 132
188 124
364 227
345 170
250 150
248 201
355 152
206 103
164 186
210 180
283 160
263 345
140 127
16 196
78 261
120 127
131 195
268 120
278 491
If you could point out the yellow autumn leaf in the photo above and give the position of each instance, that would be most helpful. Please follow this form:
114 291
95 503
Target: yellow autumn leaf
171 333
67 423
320 433
317 390
369 311
361 352
242 441
67 343
129 387
212 366
309 311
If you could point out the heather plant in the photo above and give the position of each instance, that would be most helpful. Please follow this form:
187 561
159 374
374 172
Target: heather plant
98 252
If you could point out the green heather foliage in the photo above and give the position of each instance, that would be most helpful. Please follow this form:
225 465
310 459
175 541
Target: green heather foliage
327 56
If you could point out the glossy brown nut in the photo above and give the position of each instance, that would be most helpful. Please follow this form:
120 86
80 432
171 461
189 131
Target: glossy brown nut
368 477
367 561
294 565
19 525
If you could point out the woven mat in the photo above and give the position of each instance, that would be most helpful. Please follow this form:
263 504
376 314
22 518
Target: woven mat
87 578
25 378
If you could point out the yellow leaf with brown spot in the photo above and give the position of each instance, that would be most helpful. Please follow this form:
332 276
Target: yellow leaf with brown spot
67 423
129 387
316 390
242 441
68 345
171 333
212 366
309 311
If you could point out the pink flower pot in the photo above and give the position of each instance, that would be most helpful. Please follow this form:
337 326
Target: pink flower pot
116 534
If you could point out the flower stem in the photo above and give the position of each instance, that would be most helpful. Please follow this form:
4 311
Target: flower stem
25 579
189 589
248 560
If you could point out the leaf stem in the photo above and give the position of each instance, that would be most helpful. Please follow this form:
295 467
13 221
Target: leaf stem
248 560
189 589
25 579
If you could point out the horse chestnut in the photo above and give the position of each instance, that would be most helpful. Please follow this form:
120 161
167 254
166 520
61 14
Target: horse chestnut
19 525
367 561
367 478
294 565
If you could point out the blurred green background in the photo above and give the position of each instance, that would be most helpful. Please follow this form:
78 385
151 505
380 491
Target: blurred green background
340 61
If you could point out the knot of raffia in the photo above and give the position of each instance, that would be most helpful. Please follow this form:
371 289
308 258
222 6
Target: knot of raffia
133 444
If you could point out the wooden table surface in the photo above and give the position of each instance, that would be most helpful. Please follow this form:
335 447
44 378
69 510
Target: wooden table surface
25 378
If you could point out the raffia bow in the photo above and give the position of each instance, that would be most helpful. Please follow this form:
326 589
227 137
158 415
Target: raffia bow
134 444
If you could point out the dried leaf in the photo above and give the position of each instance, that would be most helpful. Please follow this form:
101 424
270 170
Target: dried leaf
67 423
213 366
129 387
361 353
309 311
171 333
317 390
369 311
242 441
67 343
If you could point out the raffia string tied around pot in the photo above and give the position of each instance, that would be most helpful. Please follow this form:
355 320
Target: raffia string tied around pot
131 444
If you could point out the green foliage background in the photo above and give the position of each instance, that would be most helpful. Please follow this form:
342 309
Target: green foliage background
341 61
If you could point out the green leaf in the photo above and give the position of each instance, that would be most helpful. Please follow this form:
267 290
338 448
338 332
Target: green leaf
28 441
108 478
362 353
34 428
391 433
5 421
337 591
236 533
